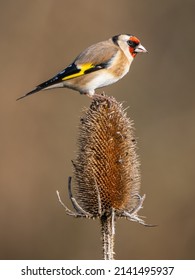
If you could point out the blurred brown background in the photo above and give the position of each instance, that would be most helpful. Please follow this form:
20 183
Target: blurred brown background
38 134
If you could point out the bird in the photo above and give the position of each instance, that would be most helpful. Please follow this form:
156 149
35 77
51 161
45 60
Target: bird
99 65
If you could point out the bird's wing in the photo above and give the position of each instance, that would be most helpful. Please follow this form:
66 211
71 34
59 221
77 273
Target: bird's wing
94 58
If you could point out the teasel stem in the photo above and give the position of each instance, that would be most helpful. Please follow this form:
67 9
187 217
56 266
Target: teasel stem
108 233
106 170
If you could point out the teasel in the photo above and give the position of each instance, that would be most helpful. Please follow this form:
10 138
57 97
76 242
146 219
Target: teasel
106 169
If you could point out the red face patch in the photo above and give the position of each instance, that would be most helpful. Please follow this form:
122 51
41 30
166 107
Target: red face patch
135 41
132 52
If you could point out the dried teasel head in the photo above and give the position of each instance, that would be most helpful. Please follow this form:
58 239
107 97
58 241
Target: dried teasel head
106 168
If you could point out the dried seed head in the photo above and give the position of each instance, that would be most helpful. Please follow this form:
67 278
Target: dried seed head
106 168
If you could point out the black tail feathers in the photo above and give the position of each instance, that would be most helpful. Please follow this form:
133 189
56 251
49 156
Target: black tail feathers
37 89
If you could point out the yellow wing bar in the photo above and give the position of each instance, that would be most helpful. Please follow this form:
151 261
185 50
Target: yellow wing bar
83 68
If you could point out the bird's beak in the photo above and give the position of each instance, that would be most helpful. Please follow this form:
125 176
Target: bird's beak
140 49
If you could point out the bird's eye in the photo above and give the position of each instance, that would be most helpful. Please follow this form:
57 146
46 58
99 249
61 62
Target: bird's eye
131 43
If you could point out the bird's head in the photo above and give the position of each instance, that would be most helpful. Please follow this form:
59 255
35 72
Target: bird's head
129 43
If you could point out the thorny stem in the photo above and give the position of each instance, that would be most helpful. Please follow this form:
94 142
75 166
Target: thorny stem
108 232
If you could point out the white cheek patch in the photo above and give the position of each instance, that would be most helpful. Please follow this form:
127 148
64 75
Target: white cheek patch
124 47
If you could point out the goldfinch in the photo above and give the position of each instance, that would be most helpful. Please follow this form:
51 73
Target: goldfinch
99 65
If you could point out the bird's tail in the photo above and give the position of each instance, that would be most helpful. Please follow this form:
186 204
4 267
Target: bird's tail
52 83
37 89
